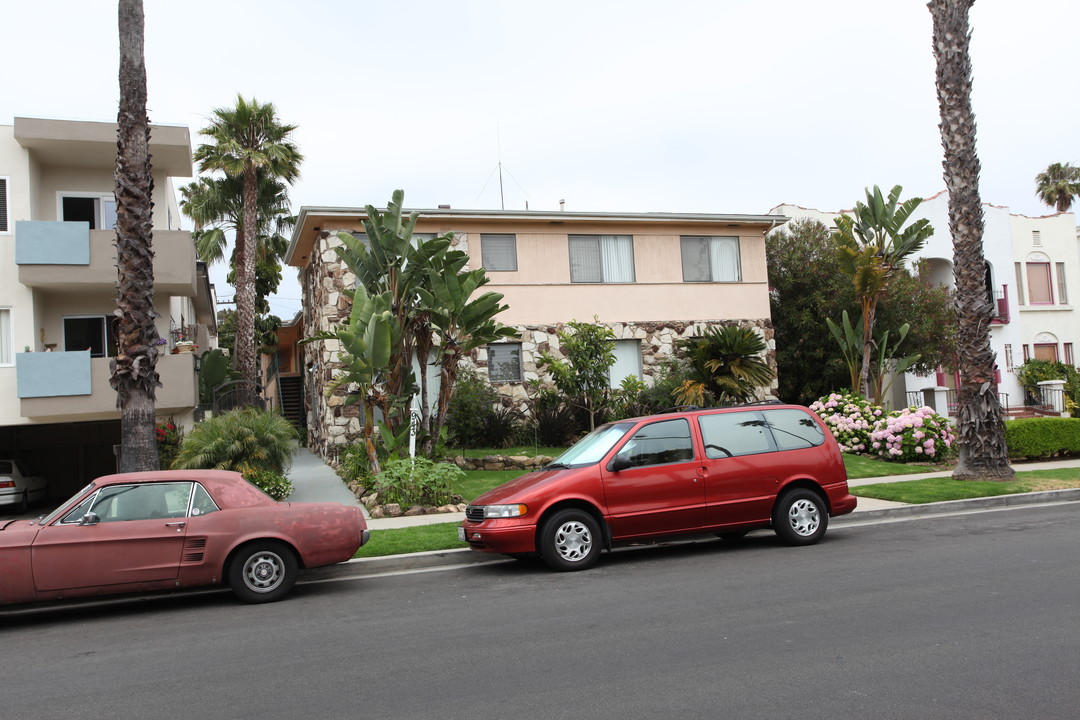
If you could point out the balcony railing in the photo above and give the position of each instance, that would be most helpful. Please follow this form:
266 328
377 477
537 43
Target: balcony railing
1001 306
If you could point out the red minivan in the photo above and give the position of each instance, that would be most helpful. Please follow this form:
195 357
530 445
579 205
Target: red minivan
725 471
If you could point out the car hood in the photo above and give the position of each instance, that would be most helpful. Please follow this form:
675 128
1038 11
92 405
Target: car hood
521 488
16 533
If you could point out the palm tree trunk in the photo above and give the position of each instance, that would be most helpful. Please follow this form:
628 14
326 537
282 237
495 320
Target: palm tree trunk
983 454
245 291
134 369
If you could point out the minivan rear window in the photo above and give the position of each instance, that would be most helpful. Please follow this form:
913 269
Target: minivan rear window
794 429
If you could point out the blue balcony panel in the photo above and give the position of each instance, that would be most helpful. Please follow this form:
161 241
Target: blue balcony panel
53 374
39 242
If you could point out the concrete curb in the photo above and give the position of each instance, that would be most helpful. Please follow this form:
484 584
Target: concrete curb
955 506
364 567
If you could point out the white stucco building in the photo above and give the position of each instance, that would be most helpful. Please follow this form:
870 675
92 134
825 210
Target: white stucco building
1033 272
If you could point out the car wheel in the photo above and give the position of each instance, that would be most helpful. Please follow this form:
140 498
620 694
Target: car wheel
800 517
24 503
570 540
263 572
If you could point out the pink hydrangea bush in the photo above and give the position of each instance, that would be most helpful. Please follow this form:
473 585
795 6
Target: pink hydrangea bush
850 418
912 435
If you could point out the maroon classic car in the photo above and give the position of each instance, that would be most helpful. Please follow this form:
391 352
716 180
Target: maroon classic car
170 530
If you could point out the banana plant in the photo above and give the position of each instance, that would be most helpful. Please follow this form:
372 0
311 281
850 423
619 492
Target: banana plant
850 340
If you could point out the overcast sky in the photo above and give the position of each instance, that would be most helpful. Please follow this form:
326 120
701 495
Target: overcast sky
719 106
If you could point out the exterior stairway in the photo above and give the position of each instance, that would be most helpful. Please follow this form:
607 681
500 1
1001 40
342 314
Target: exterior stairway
292 399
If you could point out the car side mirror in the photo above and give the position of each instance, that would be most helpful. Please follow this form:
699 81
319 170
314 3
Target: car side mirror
620 463
90 519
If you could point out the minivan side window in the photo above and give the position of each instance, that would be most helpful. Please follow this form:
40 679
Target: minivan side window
734 433
659 443
794 429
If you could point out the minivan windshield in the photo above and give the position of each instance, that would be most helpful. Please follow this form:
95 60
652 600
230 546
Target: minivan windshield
593 447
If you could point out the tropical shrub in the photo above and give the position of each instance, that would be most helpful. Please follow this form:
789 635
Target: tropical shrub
1042 437
472 402
243 440
353 464
850 418
550 423
418 481
1031 373
273 484
726 366
168 437
502 427
912 434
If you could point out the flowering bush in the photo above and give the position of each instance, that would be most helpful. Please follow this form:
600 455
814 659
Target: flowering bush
168 438
850 418
912 434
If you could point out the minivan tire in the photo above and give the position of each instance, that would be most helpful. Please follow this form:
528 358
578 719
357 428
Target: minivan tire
570 540
800 517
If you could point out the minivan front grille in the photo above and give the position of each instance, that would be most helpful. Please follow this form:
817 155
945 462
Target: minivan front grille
474 513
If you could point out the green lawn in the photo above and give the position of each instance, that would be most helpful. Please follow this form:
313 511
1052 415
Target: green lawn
418 538
530 451
860 466
940 489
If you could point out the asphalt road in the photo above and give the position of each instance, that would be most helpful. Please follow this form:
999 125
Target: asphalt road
973 616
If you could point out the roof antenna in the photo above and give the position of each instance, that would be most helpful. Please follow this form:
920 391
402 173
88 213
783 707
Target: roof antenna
498 141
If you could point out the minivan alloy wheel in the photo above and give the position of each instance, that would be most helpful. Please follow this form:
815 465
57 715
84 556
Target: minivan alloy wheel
804 517
573 541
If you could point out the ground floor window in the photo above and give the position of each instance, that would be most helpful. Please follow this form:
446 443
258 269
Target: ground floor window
504 362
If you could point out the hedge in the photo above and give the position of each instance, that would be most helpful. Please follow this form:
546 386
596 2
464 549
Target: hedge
1042 437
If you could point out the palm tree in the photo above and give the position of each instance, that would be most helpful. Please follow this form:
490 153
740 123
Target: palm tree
247 141
725 366
872 245
1058 185
134 369
983 454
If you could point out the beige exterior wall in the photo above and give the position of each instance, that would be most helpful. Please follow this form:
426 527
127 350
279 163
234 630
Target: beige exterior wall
657 309
41 158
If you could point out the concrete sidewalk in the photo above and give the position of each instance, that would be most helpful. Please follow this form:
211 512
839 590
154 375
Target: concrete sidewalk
315 481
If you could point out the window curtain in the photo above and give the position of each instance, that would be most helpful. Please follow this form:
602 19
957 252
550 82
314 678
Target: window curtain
724 259
1038 277
499 252
585 264
695 259
617 257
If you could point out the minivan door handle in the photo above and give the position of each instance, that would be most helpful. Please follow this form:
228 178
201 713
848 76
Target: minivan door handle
703 472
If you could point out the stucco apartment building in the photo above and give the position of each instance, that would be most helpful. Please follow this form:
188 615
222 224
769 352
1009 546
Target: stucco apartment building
1032 273
654 278
58 288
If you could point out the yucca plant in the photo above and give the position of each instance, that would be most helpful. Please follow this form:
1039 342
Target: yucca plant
244 440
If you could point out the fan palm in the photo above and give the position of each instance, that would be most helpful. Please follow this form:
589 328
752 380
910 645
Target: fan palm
725 366
134 369
983 453
247 141
1058 185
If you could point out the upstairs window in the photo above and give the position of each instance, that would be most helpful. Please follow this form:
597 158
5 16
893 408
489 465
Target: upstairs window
1038 282
498 253
89 332
4 227
1063 297
601 259
710 259
97 210
6 339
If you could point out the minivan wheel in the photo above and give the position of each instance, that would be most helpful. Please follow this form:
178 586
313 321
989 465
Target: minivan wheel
570 540
800 517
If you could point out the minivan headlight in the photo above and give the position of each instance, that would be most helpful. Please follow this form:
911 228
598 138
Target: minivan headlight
505 511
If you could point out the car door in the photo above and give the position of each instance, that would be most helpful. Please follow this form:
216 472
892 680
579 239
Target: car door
120 535
652 484
740 480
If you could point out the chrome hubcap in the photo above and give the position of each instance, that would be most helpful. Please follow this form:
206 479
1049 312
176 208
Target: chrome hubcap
804 517
573 541
264 571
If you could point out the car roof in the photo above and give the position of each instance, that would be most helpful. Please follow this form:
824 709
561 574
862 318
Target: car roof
695 411
169 476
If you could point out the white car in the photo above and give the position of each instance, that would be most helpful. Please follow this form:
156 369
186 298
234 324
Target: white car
20 485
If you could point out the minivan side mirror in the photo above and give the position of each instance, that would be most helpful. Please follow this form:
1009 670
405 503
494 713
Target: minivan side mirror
620 463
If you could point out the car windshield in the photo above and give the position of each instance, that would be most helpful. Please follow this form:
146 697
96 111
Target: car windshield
593 447
55 513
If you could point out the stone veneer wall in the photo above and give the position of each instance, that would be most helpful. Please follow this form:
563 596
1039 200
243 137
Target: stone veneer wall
332 424
657 343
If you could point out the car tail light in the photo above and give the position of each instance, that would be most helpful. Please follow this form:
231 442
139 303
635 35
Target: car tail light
7 483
